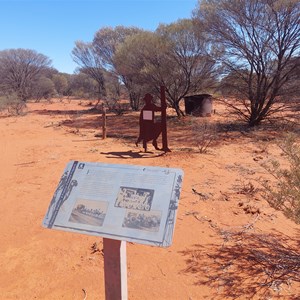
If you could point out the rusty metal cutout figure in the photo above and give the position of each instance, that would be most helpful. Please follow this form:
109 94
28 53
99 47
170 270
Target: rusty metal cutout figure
149 129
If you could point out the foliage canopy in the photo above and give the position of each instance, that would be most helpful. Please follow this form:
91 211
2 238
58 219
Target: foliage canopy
260 43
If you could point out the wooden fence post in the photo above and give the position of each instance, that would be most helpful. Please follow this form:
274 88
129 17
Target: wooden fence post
103 121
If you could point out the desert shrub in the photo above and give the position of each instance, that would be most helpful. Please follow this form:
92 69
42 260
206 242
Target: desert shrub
43 88
285 195
13 104
205 135
117 107
247 188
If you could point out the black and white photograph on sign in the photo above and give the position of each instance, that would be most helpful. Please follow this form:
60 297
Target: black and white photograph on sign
134 198
89 212
148 221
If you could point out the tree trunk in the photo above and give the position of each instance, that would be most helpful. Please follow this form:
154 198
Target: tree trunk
134 101
179 112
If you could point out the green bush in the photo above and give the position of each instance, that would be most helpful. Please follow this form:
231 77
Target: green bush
12 103
285 196
205 135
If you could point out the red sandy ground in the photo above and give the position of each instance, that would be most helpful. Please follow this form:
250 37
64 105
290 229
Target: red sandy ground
228 242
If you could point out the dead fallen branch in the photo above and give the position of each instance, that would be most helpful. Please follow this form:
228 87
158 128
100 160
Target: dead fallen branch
26 163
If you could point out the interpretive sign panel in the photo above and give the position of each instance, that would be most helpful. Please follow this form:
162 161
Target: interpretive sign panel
121 202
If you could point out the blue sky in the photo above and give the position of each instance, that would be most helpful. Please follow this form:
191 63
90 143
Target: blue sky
51 27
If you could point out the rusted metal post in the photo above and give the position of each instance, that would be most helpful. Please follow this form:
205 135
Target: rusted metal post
115 269
164 136
103 121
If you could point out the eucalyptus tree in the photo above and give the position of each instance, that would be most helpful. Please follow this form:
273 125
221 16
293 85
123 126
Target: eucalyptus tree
90 63
190 68
175 56
82 85
260 40
43 87
61 84
113 86
141 58
19 68
105 42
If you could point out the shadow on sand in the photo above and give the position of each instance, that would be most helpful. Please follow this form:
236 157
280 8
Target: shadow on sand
247 266
131 154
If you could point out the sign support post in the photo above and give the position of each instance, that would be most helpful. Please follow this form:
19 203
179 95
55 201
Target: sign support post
115 269
165 147
118 203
